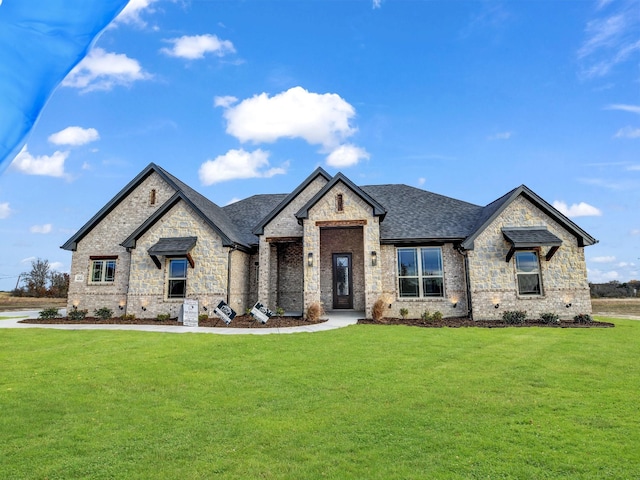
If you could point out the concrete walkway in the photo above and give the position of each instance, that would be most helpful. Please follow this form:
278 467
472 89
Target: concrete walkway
336 319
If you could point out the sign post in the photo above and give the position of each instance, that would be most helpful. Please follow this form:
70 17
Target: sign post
189 314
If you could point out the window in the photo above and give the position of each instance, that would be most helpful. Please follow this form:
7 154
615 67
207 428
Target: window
420 272
528 273
103 270
177 278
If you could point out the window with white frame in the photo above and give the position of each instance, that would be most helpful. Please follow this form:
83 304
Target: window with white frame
528 273
177 279
420 272
103 270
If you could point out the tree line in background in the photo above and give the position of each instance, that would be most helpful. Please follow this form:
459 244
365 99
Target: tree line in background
41 281
615 289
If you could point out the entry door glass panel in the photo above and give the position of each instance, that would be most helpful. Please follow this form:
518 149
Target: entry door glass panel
342 284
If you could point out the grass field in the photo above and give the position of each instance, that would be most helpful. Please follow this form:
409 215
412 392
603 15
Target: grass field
616 306
374 402
9 303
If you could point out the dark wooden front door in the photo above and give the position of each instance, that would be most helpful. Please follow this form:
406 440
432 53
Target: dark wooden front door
342 281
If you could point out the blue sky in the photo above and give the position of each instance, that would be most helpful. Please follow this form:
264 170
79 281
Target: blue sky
468 99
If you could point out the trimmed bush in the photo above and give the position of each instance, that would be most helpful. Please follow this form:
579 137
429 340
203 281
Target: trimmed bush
426 316
514 317
437 316
377 312
550 318
404 312
583 318
161 317
279 311
202 317
49 313
128 316
77 314
103 313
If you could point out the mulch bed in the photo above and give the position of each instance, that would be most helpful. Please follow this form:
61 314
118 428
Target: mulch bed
240 321
467 322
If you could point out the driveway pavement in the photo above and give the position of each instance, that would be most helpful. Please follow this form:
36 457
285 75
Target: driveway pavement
336 319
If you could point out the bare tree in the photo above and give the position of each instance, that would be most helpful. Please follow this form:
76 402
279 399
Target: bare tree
36 279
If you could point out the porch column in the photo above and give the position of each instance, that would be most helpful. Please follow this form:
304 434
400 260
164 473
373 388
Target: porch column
372 273
311 254
264 272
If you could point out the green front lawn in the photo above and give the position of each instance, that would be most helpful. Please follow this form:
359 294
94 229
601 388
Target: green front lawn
370 402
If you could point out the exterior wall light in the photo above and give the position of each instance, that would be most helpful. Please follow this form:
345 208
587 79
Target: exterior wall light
497 305
455 305
144 309
374 258
204 307
310 259
568 305
121 307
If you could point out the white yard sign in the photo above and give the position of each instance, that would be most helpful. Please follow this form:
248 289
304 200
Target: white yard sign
190 313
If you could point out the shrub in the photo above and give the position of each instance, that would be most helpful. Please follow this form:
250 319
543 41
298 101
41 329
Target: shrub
583 318
202 317
279 311
315 311
550 318
247 311
404 312
377 312
103 313
128 316
48 313
426 316
77 314
161 317
514 317
437 316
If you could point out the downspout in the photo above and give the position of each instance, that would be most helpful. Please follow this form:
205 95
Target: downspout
233 247
126 301
468 282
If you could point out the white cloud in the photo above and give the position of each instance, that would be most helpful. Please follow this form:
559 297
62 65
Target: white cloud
635 231
598 276
581 209
628 132
5 211
319 119
606 259
625 264
377 4
101 70
225 101
421 181
610 39
500 136
52 166
46 228
194 47
131 14
74 136
625 108
236 164
346 156
233 200
57 267
28 259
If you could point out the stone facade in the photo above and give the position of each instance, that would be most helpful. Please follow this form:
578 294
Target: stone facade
206 281
493 280
291 266
284 225
452 304
325 215
104 240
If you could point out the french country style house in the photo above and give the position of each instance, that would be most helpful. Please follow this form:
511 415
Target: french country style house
159 242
